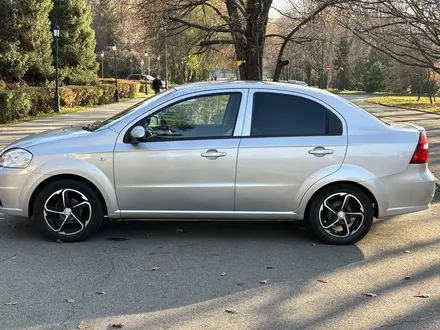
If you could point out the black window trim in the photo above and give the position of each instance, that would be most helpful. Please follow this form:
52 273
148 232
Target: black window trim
328 112
126 139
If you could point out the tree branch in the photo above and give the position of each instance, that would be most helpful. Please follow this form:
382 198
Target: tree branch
206 28
216 42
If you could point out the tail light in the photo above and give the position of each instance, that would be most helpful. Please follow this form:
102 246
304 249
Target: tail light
421 154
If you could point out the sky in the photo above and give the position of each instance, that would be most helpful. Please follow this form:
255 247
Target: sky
279 4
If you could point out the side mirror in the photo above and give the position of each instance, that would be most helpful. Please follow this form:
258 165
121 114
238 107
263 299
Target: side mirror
137 132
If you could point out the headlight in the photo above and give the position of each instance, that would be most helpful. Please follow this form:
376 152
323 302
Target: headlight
15 158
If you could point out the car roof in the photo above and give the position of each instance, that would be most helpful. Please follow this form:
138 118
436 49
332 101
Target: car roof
215 85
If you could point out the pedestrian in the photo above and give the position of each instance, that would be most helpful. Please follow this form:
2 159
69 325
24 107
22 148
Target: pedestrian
157 84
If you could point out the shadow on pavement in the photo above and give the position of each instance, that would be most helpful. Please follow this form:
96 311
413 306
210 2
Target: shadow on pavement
45 274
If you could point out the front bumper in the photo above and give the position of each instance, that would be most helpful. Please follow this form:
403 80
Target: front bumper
15 185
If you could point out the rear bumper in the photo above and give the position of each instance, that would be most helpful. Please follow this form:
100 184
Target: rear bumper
409 191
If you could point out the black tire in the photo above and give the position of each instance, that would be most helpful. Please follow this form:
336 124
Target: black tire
80 199
320 216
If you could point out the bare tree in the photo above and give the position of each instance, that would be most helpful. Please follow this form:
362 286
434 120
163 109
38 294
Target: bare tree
240 23
406 30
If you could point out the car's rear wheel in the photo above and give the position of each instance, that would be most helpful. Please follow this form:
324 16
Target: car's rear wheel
68 210
341 214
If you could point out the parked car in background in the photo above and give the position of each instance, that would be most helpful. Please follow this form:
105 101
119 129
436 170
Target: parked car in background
297 82
224 150
140 77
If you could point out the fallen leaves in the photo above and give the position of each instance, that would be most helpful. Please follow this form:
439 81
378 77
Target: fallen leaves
322 281
59 241
11 303
82 325
179 230
406 251
149 234
155 268
70 301
231 311
117 325
269 267
407 277
369 294
14 257
422 295
117 239
263 281
313 244
100 292
222 274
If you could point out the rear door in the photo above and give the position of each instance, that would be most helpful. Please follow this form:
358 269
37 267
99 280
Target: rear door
289 143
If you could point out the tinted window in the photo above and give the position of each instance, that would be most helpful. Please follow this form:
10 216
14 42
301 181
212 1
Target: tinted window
200 117
287 115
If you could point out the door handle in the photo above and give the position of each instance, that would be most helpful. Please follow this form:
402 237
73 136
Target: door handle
213 154
320 152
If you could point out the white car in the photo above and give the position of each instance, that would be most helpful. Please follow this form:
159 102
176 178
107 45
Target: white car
224 150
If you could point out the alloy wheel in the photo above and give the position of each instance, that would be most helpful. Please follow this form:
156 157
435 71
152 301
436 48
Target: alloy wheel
67 212
341 215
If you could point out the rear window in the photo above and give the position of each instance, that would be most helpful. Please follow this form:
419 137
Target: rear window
288 115
363 110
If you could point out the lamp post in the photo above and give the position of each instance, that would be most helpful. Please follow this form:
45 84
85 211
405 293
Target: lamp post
147 63
102 65
160 66
116 74
166 56
56 35
131 65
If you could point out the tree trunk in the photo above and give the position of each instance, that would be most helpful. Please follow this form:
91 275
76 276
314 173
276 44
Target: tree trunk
309 74
249 46
280 65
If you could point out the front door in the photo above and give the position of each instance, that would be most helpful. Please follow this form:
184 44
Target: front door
292 143
186 164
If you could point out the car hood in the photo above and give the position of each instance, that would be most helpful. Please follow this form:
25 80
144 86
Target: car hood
49 136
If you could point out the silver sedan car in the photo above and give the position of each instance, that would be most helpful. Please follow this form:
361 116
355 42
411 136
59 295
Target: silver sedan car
222 151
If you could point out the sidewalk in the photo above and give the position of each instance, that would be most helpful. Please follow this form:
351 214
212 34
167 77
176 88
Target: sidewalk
11 133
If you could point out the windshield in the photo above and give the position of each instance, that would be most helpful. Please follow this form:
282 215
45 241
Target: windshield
123 114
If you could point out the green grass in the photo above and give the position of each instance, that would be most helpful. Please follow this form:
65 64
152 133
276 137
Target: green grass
332 90
407 102
336 91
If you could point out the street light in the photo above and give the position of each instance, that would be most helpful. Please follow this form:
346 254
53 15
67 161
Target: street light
102 65
147 63
160 66
166 56
116 74
56 35
131 65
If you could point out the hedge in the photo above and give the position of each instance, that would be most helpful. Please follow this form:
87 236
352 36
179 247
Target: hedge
19 103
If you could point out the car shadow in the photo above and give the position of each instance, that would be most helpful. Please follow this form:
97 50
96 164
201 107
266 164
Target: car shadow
118 260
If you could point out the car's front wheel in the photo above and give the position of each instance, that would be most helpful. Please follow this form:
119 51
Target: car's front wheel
68 210
341 214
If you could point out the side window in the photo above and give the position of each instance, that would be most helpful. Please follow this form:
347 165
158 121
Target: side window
287 115
210 116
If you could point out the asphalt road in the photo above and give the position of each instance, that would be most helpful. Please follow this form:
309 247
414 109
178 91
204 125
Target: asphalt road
188 291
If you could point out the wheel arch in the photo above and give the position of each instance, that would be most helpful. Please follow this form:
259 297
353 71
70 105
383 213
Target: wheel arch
350 183
58 177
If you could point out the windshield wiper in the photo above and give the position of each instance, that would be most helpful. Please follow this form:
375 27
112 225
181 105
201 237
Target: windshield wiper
92 126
